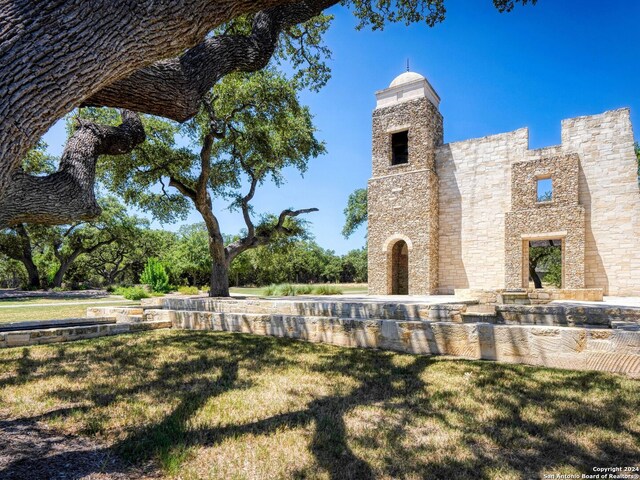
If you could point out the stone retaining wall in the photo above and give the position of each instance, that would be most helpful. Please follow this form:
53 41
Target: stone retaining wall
325 308
568 314
578 348
65 334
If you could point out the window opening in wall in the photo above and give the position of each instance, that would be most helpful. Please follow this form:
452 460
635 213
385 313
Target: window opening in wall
400 148
545 189
545 264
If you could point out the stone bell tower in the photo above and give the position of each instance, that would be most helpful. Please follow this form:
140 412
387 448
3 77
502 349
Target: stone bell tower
403 189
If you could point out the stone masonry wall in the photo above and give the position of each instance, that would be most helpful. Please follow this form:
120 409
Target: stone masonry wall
475 194
610 196
560 218
403 199
475 197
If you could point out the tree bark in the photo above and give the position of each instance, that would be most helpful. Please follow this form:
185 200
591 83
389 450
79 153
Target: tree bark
174 88
219 284
27 258
62 269
67 195
537 283
55 54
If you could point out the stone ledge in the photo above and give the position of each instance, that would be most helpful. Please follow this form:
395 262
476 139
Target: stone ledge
330 307
67 334
66 322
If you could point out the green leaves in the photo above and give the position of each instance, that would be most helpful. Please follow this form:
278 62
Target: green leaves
356 211
155 276
377 13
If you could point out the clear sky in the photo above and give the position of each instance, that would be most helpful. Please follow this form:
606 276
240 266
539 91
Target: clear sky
494 73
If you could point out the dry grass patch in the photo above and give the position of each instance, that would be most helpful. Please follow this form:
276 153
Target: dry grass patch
224 406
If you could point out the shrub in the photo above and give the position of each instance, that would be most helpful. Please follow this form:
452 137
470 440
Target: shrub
155 276
188 290
304 289
327 290
204 289
131 293
288 290
270 291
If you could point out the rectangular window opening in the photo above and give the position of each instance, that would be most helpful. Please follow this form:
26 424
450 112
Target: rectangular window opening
400 148
545 264
544 190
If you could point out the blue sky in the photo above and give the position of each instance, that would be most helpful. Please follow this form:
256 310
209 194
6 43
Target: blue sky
494 72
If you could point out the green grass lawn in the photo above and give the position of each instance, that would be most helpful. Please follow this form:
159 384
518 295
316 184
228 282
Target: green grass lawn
353 288
231 406
14 312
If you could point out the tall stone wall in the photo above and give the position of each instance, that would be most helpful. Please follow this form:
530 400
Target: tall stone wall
475 194
403 199
475 178
559 218
610 195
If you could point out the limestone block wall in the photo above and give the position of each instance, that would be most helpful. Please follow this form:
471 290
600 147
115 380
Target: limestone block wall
610 196
578 348
475 194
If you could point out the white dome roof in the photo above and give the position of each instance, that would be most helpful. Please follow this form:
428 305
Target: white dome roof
406 77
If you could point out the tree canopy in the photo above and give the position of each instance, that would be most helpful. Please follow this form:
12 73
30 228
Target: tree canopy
159 57
356 212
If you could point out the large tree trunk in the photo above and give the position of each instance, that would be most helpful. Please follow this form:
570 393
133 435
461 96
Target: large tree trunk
65 263
32 271
219 284
68 194
535 277
56 54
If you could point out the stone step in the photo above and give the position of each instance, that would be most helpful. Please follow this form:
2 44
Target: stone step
567 314
64 322
22 338
328 308
113 311
479 317
130 318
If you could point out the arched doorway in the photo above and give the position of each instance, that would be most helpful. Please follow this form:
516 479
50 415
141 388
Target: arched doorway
400 268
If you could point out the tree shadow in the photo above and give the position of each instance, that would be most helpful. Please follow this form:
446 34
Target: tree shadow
512 441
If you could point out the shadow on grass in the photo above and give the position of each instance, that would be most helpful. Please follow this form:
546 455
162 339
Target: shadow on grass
510 442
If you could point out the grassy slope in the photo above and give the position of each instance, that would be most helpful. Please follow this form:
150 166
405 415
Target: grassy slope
220 406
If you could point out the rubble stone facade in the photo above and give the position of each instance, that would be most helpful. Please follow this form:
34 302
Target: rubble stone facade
465 212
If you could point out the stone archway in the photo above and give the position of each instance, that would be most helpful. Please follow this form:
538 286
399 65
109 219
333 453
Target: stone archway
399 271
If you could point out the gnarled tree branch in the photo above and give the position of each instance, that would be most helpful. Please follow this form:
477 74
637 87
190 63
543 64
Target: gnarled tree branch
263 238
174 88
67 195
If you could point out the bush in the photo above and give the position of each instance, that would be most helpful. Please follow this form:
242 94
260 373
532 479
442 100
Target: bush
204 289
289 290
304 289
131 293
155 276
282 290
188 290
327 290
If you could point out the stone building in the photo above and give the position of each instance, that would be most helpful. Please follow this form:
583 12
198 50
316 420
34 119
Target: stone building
463 215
